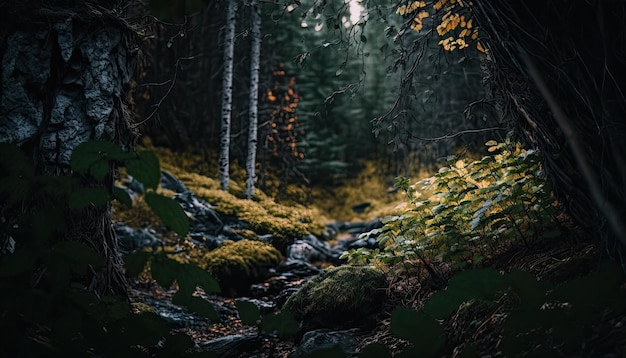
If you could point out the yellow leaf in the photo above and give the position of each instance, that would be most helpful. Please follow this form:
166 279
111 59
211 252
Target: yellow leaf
491 143
480 48
459 164
492 149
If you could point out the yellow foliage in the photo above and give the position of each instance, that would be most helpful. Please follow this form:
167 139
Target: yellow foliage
450 19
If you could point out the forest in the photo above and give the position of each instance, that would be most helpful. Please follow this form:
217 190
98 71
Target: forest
312 178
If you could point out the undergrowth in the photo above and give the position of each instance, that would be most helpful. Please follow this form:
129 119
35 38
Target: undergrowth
472 210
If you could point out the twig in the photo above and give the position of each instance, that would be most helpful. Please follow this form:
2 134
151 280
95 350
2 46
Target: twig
157 106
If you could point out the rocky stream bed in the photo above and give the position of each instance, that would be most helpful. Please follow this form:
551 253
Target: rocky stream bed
303 258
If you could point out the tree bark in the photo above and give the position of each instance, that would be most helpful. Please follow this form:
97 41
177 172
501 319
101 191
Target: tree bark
255 54
227 94
66 70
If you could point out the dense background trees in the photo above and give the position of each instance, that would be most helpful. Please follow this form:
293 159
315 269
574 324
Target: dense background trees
345 74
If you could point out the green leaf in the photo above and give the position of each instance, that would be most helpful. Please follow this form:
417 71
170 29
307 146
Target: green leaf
164 270
136 262
283 324
145 329
122 196
532 292
328 352
375 350
16 173
145 168
17 263
201 278
464 286
84 198
94 156
443 303
99 170
420 329
248 312
169 211
177 343
202 307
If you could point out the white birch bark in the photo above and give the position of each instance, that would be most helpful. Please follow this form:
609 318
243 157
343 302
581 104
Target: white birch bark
227 94
255 59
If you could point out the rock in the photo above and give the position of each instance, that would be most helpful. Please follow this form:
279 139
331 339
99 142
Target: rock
131 239
344 341
135 186
309 249
265 307
168 181
361 207
237 265
298 268
204 220
232 346
338 297
209 241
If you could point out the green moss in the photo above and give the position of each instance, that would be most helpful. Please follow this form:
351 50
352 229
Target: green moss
262 213
140 307
339 294
236 265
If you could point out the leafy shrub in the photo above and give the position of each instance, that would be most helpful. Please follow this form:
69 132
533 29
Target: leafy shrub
474 207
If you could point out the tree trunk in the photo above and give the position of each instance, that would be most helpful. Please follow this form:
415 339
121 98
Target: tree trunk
227 93
66 70
557 69
255 54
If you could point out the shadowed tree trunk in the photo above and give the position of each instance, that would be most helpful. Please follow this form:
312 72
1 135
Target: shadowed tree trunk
66 70
557 69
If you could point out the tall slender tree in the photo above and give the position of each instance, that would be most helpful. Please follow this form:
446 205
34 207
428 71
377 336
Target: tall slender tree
255 57
227 93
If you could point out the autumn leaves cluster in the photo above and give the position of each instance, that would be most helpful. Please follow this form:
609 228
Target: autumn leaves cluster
451 17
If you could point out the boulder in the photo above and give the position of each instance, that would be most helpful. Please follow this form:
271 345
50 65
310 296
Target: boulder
131 239
339 297
237 265
342 341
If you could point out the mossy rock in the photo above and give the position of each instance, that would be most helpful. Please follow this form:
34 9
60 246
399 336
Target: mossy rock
339 296
236 265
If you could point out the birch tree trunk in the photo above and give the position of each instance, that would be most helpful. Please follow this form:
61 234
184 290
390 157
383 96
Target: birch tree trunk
255 59
227 93
64 80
